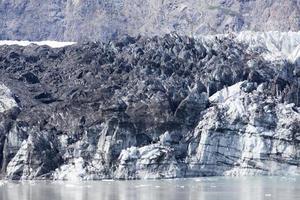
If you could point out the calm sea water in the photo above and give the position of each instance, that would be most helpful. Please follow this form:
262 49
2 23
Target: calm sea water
214 188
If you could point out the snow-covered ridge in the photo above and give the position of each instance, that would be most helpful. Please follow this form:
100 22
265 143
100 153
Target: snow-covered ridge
278 45
53 44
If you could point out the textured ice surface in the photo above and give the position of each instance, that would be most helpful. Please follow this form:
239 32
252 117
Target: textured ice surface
281 45
276 45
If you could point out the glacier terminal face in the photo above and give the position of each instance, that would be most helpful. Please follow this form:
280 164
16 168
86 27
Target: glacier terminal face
151 107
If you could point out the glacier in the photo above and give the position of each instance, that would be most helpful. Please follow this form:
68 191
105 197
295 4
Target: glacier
151 107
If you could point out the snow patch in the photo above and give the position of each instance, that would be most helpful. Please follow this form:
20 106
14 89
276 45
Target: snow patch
52 44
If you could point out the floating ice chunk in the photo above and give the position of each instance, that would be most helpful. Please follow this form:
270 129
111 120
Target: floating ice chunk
141 186
2 183
108 180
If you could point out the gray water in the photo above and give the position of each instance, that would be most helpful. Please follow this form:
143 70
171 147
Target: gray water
214 188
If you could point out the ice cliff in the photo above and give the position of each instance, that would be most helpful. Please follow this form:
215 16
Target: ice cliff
151 107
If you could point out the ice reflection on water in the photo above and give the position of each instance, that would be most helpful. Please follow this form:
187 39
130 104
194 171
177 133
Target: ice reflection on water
214 188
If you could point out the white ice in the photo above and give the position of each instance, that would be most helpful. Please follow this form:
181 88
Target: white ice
6 99
53 44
